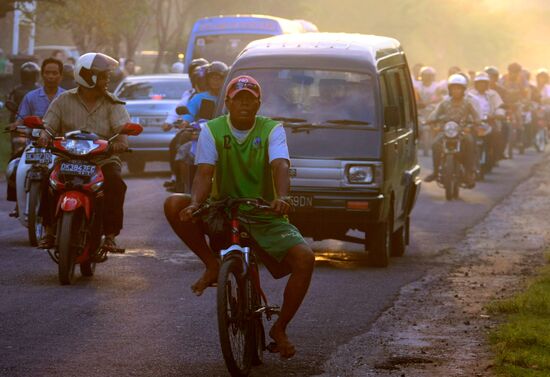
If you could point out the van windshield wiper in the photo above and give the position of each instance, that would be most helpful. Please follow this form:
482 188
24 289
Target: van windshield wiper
301 127
289 120
348 121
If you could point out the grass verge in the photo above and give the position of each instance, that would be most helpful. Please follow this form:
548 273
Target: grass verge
522 342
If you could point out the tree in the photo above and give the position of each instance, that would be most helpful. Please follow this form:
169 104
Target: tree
99 25
7 6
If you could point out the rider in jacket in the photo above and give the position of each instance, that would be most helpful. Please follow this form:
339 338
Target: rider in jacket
458 108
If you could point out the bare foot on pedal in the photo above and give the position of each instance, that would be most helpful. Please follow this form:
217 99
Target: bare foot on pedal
282 345
208 279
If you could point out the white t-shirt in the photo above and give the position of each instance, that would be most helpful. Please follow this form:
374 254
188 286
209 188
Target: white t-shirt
206 146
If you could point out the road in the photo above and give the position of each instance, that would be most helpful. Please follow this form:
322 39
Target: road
138 317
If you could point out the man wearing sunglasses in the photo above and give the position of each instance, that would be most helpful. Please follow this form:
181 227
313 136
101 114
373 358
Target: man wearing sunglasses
242 155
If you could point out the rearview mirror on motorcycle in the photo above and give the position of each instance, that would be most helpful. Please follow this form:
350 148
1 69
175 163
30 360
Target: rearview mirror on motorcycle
182 110
33 122
131 129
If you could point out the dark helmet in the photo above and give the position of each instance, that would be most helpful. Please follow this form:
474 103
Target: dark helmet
195 63
29 72
217 67
514 68
492 71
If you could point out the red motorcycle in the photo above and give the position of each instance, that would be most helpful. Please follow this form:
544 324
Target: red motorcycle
78 180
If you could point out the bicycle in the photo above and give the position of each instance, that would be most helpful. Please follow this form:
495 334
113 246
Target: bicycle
241 302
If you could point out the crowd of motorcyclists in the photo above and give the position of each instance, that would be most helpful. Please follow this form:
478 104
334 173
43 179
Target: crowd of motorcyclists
489 115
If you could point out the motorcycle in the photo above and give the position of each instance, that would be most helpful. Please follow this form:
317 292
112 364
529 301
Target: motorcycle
484 160
426 131
185 157
451 172
78 180
542 115
31 172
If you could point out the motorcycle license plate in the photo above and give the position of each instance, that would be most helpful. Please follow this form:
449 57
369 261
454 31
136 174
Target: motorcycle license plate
77 168
38 157
301 201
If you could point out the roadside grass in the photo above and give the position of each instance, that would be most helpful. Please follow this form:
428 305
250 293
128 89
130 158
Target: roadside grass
4 141
522 342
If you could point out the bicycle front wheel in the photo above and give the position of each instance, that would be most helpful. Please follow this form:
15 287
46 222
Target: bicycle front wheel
234 319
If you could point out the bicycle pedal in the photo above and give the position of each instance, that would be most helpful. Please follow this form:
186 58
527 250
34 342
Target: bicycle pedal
116 250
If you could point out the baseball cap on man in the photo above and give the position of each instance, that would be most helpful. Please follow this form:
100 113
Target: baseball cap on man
241 83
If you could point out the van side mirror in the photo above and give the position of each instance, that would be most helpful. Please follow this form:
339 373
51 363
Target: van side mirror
391 116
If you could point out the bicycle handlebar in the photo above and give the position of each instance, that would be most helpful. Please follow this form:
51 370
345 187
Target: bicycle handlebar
232 203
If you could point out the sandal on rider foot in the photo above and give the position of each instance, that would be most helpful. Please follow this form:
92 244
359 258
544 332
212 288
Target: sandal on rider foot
47 242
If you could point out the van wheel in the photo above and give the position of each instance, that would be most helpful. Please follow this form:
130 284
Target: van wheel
378 244
398 245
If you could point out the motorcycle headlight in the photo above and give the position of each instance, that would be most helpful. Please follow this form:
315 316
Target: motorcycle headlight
79 147
451 129
360 174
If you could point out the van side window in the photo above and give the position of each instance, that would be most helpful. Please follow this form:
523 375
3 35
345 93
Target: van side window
406 92
394 92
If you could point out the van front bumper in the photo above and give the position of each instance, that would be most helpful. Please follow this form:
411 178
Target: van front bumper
340 210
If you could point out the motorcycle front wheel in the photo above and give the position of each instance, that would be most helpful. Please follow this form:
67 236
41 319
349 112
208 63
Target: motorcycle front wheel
68 233
34 223
450 181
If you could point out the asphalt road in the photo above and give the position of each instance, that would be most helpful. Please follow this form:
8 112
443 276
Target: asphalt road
138 317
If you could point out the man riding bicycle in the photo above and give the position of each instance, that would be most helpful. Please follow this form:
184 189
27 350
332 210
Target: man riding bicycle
242 155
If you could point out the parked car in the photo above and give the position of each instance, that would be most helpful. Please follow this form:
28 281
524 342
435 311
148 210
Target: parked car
149 99
347 104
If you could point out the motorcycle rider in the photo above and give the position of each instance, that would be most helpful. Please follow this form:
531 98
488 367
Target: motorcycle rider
68 77
489 107
28 73
543 85
458 108
494 84
239 172
196 87
36 102
90 107
429 91
215 75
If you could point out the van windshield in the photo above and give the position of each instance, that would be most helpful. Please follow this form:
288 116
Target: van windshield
326 113
223 47
316 96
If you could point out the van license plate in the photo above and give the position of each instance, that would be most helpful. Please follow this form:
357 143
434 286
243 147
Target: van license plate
301 201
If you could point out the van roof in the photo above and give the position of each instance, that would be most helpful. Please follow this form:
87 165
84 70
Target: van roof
356 49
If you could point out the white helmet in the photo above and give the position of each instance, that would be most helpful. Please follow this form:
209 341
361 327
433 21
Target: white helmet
89 65
177 67
457 79
427 71
481 76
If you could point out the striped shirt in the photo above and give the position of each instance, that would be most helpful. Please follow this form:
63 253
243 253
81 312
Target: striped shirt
69 113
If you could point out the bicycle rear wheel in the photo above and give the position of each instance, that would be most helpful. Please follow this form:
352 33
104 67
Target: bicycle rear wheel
234 320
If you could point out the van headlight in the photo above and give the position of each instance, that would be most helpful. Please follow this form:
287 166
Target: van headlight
360 174
451 129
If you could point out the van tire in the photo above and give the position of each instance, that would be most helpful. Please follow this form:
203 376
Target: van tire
398 245
378 243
